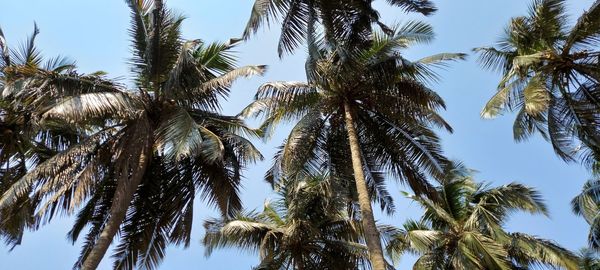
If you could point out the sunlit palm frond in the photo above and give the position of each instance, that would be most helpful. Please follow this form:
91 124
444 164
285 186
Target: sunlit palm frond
281 101
179 136
586 203
86 107
58 167
532 251
485 250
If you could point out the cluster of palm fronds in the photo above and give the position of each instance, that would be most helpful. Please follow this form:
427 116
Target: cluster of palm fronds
307 227
462 228
551 78
126 160
129 160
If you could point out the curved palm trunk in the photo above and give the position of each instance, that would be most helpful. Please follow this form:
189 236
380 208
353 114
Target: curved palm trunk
123 196
368 220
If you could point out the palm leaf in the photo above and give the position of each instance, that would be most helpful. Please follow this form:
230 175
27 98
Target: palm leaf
78 109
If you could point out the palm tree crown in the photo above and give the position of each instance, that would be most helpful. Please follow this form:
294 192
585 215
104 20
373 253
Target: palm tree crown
342 21
308 227
462 228
394 112
25 142
551 75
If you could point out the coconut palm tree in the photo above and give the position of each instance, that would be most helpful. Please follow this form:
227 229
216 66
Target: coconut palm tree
146 149
343 21
551 75
25 142
307 227
372 107
462 228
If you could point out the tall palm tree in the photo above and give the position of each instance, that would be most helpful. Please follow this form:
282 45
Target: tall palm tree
373 108
25 142
308 227
551 75
147 149
343 21
462 228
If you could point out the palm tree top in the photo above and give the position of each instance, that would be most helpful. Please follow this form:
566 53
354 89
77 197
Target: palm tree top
340 20
463 199
306 227
378 83
550 78
462 227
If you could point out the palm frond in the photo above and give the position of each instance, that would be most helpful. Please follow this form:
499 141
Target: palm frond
586 31
531 251
585 203
424 7
294 26
495 59
263 11
28 54
5 50
178 136
78 109
227 79
492 254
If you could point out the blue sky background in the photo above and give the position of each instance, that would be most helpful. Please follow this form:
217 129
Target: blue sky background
94 32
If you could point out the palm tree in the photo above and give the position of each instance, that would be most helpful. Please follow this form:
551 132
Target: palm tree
587 205
551 75
462 228
308 227
373 107
25 142
343 21
145 150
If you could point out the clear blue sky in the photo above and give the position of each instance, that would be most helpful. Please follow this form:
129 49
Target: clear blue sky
94 32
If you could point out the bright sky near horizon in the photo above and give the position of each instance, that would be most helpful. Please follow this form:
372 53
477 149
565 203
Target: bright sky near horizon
94 33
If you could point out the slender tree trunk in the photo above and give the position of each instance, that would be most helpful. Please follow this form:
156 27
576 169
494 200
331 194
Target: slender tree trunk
124 192
368 220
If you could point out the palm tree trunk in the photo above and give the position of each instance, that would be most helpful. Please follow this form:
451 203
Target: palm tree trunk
126 188
368 220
